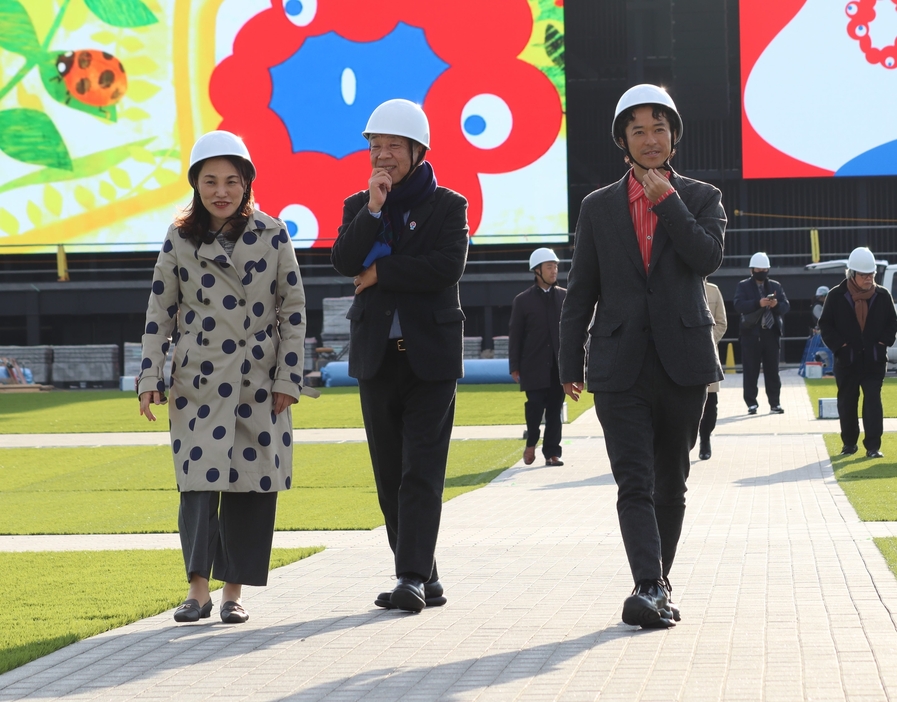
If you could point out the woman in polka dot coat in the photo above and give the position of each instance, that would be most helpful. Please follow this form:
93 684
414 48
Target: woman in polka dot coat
227 287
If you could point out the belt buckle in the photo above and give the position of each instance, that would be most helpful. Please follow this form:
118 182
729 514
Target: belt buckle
400 344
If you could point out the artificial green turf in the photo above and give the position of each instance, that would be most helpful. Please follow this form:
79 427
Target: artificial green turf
80 411
869 483
52 599
826 387
128 489
888 548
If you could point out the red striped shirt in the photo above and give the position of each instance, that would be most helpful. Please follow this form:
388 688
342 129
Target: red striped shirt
643 218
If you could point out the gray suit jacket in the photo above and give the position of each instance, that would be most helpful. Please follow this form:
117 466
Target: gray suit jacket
612 299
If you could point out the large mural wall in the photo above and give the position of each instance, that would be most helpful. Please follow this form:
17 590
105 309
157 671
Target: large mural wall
101 101
819 86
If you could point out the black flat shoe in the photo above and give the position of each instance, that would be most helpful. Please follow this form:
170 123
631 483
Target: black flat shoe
848 450
874 454
433 596
705 451
190 611
233 613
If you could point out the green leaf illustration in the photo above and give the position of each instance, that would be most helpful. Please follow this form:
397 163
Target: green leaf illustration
56 89
17 33
122 13
86 166
107 191
8 223
30 136
85 198
34 213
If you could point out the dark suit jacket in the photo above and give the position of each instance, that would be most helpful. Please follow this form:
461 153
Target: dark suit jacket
533 338
419 280
747 305
630 307
839 326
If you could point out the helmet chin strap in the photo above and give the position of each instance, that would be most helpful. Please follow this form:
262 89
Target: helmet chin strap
235 215
538 273
665 166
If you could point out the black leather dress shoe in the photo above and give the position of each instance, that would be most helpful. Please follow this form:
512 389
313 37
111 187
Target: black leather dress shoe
777 409
190 611
848 450
874 454
704 451
409 594
752 409
673 608
433 596
648 606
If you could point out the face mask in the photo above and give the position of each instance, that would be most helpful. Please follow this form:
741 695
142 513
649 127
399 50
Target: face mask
760 276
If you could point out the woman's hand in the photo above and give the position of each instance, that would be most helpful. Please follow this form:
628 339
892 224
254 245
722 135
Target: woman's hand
146 399
282 401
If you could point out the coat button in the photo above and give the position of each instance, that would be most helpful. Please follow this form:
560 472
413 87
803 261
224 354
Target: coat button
242 342
206 301
650 291
203 381
203 264
205 342
388 313
242 303
245 383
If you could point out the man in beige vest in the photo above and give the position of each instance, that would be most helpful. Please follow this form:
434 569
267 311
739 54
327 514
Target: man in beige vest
708 420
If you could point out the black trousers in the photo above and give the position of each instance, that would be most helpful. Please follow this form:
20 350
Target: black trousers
549 400
231 542
708 419
754 351
849 381
649 430
408 422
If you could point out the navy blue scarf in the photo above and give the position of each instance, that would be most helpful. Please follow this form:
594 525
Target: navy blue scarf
416 190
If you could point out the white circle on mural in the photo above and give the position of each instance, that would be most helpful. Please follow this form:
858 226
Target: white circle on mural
302 225
300 12
348 86
486 121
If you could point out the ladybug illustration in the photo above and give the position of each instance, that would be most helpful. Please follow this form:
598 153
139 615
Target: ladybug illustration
92 77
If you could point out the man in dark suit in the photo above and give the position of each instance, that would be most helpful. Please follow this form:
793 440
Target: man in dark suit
859 323
404 239
761 303
533 355
643 248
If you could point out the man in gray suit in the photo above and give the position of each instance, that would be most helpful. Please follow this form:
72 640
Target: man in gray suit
643 248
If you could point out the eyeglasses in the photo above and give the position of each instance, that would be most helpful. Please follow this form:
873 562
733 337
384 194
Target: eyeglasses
865 275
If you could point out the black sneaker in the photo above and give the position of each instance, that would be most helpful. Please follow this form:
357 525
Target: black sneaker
648 606
776 409
848 450
752 409
874 454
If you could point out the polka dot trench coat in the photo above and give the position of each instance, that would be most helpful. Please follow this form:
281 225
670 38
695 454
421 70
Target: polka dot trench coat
240 337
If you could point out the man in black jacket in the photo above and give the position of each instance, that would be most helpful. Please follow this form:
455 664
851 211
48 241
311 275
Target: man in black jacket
858 324
636 290
762 303
533 355
404 239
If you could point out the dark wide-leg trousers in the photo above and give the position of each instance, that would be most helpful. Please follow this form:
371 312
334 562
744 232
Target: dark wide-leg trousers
549 401
408 422
754 351
849 382
231 542
649 431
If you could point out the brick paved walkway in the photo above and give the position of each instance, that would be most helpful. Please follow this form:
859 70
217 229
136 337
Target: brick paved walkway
783 594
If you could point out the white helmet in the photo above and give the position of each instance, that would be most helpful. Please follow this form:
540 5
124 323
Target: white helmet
759 260
399 117
861 260
644 94
219 143
822 290
540 256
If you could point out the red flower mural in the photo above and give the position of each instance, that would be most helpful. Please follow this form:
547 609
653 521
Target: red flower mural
303 78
